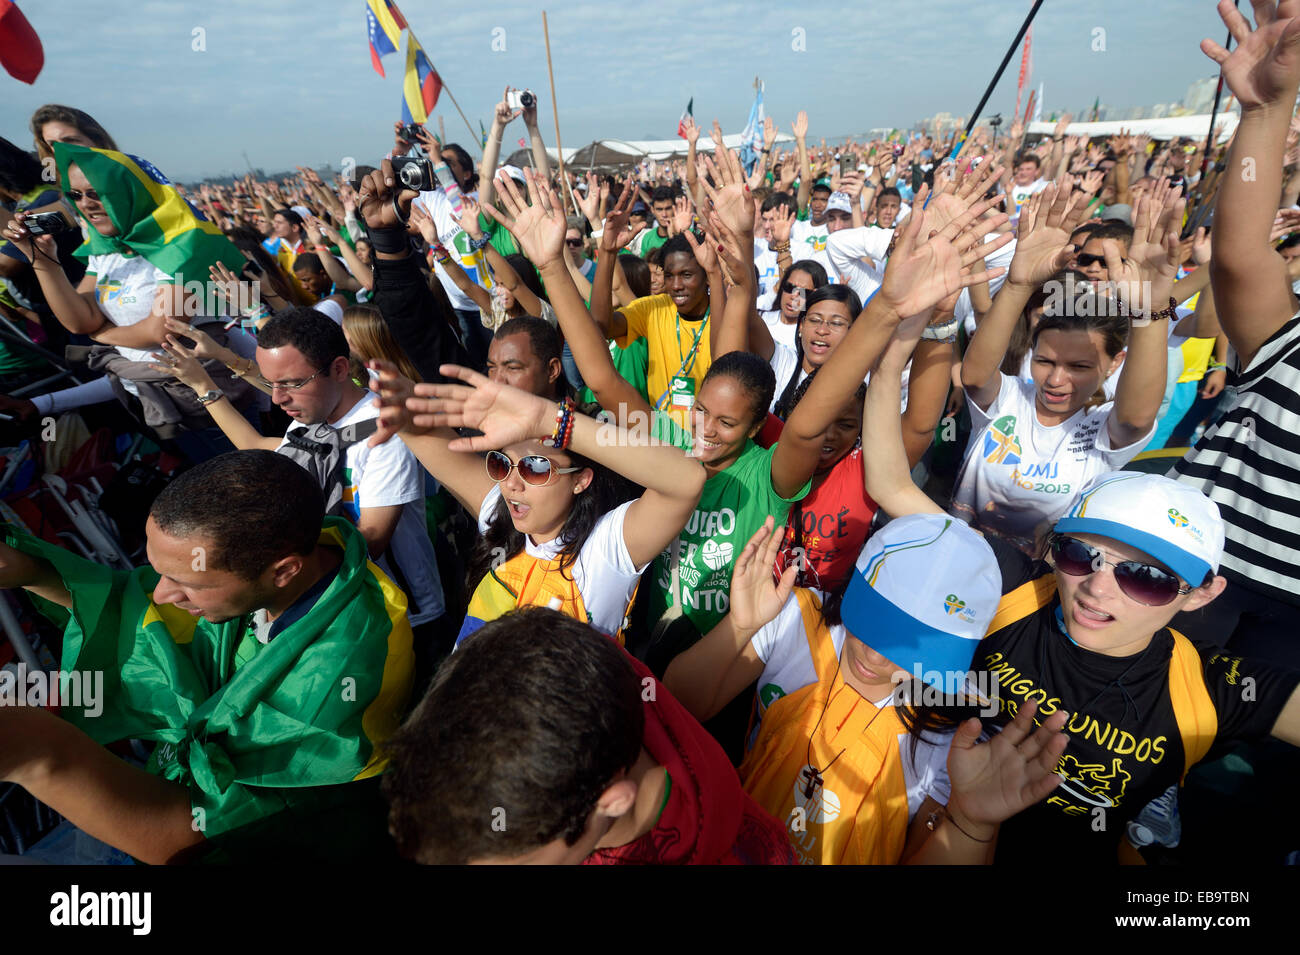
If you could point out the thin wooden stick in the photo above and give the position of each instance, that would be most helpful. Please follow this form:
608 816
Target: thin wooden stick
555 110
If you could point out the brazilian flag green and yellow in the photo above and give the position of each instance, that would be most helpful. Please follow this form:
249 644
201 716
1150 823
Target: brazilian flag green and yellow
152 218
249 735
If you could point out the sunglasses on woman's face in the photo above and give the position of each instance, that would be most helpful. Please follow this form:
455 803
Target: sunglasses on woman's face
76 195
1143 583
573 243
1085 260
788 287
534 469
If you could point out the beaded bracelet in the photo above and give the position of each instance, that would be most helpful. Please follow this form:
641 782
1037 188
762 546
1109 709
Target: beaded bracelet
563 433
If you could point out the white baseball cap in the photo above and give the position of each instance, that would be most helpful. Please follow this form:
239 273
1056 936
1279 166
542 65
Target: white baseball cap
1166 519
839 202
924 592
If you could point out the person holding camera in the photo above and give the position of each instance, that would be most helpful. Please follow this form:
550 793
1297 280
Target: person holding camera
421 324
133 284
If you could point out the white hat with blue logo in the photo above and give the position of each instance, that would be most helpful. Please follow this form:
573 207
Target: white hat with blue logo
1170 521
924 592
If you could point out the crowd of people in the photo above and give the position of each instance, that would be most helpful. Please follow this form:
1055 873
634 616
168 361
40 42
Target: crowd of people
811 511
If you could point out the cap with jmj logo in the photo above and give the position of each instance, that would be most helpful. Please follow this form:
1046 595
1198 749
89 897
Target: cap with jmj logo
924 592
1166 519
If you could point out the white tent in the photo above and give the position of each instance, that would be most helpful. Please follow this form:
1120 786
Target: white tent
1170 127
625 152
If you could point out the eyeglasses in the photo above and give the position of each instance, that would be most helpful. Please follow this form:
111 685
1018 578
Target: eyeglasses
1144 583
293 385
534 469
573 243
76 195
832 325
1084 260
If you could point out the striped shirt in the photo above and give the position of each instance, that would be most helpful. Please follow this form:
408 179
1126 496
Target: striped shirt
1249 464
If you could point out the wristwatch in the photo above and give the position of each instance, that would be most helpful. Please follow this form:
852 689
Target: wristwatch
946 332
210 396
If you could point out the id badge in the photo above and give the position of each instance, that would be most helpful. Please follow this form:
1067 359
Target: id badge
682 392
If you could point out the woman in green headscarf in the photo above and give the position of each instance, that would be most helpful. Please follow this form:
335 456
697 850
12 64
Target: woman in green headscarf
144 245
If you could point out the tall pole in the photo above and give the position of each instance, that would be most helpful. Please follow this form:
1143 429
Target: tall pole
555 110
1024 28
1214 111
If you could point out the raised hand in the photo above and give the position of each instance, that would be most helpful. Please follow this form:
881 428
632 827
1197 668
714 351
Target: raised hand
993 781
769 132
424 222
503 414
705 253
1286 221
538 228
1264 67
589 205
375 198
617 234
800 125
691 130
783 223
755 598
502 114
468 218
1043 237
729 192
1202 244
683 214
1092 181
921 273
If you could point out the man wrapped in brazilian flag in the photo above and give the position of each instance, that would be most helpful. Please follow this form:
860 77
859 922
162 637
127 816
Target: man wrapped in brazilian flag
262 652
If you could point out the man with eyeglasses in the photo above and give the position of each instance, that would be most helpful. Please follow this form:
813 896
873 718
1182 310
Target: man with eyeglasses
303 356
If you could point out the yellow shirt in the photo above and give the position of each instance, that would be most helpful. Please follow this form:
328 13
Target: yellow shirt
1196 353
676 347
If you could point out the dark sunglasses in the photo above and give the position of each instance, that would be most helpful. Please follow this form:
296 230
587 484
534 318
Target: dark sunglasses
1144 583
534 469
76 195
573 243
1084 260
789 288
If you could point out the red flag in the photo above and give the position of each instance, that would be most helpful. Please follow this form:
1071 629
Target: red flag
522 142
1024 71
20 47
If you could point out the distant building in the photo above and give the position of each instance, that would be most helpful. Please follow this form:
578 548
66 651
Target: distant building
1199 97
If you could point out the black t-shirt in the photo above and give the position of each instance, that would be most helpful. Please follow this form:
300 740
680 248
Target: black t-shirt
1125 747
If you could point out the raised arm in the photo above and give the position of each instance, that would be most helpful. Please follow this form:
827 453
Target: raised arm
539 229
919 275
613 238
507 415
1042 250
800 128
713 671
1153 262
1263 72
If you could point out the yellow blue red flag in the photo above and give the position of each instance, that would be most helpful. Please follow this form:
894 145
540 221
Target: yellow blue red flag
422 85
384 24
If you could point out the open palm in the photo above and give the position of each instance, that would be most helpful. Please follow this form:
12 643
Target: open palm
538 228
993 781
1265 65
755 597
1042 241
505 415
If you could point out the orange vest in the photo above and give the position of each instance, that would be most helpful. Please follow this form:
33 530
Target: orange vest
860 813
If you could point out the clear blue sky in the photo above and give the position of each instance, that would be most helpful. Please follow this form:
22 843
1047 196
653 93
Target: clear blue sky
290 81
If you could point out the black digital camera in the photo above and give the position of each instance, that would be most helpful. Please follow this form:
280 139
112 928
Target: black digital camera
46 223
411 133
415 173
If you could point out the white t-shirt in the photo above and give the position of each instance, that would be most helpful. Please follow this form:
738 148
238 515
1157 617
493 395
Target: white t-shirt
788 666
1021 194
438 207
768 274
785 363
603 571
782 333
964 311
1020 475
808 241
382 477
125 288
849 250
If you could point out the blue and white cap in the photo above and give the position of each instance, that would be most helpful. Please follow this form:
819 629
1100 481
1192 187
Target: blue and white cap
1166 519
924 593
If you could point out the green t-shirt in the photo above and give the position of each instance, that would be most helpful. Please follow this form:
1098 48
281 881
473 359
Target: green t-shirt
648 241
630 362
500 239
734 504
